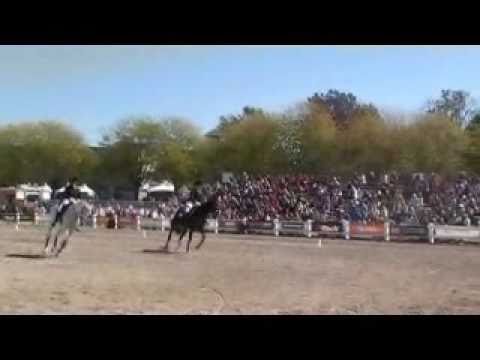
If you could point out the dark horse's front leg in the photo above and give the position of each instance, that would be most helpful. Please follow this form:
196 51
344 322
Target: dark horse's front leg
168 239
202 231
180 239
189 239
172 229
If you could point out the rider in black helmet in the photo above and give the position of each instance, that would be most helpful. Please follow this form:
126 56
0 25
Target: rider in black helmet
195 195
68 197
194 199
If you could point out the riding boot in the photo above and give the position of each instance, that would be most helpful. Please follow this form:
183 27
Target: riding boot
55 220
59 215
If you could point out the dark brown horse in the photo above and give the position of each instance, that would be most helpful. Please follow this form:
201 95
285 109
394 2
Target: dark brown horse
195 220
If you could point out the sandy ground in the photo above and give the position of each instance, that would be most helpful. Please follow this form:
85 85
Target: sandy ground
108 272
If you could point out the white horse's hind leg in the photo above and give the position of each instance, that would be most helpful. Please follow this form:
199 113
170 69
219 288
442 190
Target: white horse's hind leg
64 242
55 241
47 239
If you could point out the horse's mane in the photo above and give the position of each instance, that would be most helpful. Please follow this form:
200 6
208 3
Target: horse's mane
205 208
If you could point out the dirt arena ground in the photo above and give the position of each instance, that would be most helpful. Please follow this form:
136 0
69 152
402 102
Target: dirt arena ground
108 272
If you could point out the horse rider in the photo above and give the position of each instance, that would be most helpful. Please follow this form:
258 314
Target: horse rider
193 200
195 195
68 197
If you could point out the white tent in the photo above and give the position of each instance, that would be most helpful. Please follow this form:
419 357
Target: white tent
153 187
84 189
45 192
87 190
27 187
45 188
27 190
162 187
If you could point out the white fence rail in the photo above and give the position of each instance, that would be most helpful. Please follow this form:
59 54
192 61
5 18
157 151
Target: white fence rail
464 233
345 229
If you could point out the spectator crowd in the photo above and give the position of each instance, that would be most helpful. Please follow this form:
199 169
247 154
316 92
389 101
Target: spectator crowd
411 199
368 198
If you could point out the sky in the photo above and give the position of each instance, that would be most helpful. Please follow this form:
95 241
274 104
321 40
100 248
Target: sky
92 87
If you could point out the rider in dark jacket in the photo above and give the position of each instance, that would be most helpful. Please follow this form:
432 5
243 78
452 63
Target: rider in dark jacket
195 195
194 199
68 197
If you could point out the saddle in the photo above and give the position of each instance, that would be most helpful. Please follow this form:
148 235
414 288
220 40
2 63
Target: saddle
184 211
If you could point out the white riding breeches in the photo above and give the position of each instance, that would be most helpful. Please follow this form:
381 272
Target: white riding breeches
65 203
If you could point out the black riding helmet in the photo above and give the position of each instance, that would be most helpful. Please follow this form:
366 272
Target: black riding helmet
70 189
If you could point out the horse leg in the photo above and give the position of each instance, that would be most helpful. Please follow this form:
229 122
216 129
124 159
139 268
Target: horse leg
78 223
55 240
64 243
189 240
47 240
62 230
168 239
180 239
201 241
49 235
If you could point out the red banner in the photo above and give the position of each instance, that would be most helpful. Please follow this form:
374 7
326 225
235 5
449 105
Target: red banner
369 229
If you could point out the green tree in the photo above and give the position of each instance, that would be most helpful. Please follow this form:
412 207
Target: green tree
226 121
249 145
44 151
144 148
318 150
364 145
434 143
208 159
457 105
472 151
474 124
342 106
289 143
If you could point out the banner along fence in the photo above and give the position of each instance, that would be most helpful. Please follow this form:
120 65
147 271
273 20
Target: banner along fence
409 232
328 229
359 230
231 226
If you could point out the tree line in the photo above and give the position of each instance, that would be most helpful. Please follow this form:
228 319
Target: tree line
329 133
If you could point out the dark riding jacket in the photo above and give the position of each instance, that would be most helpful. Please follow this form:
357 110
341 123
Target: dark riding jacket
70 192
195 196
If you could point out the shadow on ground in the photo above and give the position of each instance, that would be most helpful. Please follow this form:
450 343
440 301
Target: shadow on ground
158 251
27 256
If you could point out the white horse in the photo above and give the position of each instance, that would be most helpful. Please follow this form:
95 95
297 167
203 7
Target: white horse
65 226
